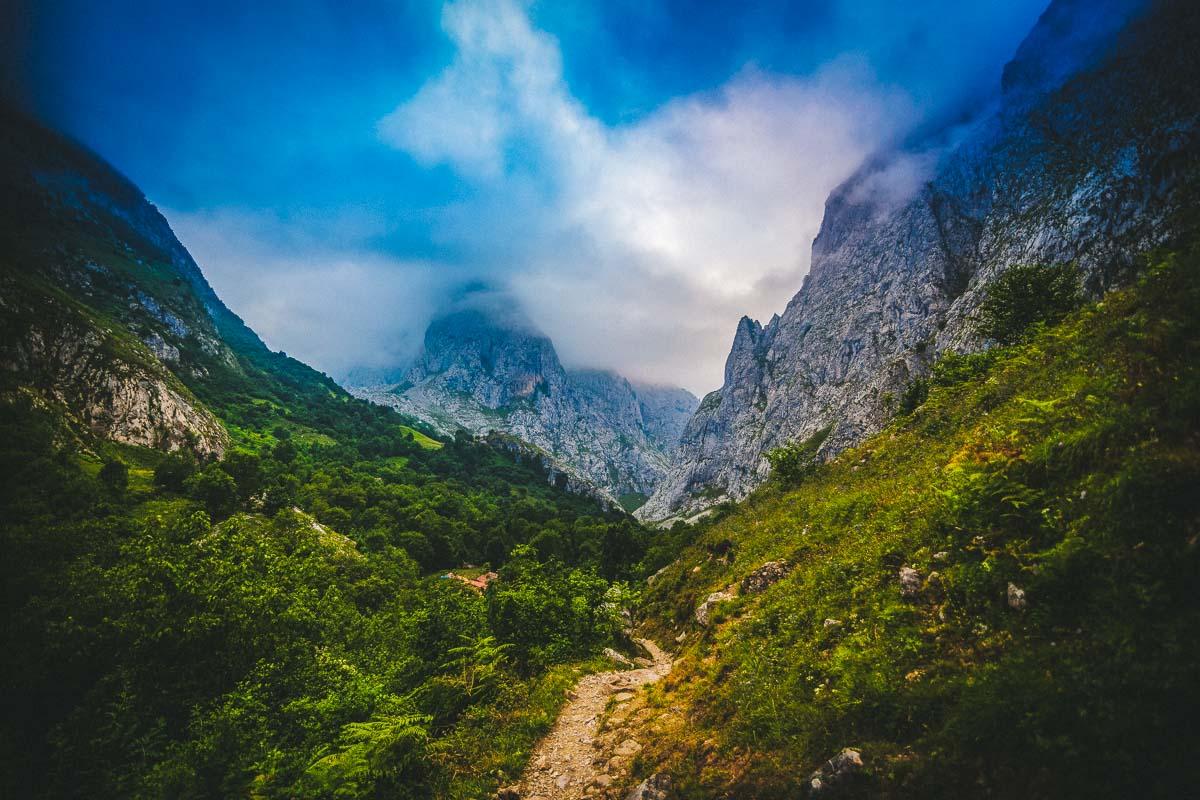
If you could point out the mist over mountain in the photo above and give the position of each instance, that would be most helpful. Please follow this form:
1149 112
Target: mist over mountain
897 277
484 366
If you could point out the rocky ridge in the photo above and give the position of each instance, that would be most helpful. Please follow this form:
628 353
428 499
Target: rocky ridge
1086 159
103 311
485 367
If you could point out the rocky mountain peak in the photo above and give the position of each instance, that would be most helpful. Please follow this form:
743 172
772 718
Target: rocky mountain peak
1087 159
491 352
485 366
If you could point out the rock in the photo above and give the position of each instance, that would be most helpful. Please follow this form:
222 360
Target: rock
627 748
910 582
836 773
681 638
941 555
1016 597
705 609
609 653
603 781
508 793
656 787
831 623
485 366
766 575
563 781
623 697
897 274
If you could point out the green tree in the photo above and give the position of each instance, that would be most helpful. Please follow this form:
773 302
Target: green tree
216 489
1026 295
173 470
115 475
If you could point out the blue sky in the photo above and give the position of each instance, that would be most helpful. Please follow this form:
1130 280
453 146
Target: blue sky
637 174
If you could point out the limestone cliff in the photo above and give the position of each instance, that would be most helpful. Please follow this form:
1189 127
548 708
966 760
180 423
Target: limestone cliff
485 367
1089 157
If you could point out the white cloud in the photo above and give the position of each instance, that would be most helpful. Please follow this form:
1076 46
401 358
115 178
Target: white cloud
302 286
656 236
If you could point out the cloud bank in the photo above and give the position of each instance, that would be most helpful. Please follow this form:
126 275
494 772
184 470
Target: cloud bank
306 289
637 247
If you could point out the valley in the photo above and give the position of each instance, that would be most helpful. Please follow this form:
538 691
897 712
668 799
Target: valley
935 535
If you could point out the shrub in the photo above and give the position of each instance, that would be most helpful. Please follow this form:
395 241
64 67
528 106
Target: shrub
1026 295
213 487
173 470
115 475
793 461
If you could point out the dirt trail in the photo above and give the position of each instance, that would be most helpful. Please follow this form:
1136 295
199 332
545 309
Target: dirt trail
574 761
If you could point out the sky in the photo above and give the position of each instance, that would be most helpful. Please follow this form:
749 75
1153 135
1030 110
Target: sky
636 174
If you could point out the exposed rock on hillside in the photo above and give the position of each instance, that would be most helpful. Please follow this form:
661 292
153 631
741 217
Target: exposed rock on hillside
1086 160
485 367
103 311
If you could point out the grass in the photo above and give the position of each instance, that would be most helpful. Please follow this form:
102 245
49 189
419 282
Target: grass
632 501
1065 466
426 442
490 746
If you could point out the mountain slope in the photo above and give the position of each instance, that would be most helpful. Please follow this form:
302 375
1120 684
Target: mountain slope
992 598
485 367
1091 158
226 577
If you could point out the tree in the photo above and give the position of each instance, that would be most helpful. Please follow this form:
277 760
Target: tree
115 475
284 451
216 489
173 470
246 470
1026 295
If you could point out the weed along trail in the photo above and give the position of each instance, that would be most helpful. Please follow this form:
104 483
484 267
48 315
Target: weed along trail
580 758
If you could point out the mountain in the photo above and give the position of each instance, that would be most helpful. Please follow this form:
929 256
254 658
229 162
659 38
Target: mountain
485 366
107 318
223 576
1089 157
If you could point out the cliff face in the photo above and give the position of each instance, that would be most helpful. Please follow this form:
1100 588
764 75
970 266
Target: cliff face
1090 157
485 367
104 314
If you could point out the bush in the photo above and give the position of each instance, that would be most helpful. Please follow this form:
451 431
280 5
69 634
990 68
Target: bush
115 475
173 470
1026 295
213 487
793 461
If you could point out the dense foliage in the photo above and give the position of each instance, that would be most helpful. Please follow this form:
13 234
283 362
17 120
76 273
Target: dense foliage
278 652
1046 645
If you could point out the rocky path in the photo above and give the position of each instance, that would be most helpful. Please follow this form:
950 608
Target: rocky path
580 757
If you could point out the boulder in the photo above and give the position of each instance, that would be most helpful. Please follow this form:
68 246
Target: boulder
613 655
763 577
704 609
910 582
656 787
1016 597
836 774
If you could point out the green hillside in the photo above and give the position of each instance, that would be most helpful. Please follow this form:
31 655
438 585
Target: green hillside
222 574
1045 495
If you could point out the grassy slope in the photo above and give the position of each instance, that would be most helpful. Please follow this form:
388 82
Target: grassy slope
1069 467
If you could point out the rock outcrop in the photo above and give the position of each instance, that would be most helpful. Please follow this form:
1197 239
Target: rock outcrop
485 367
1086 159
103 313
